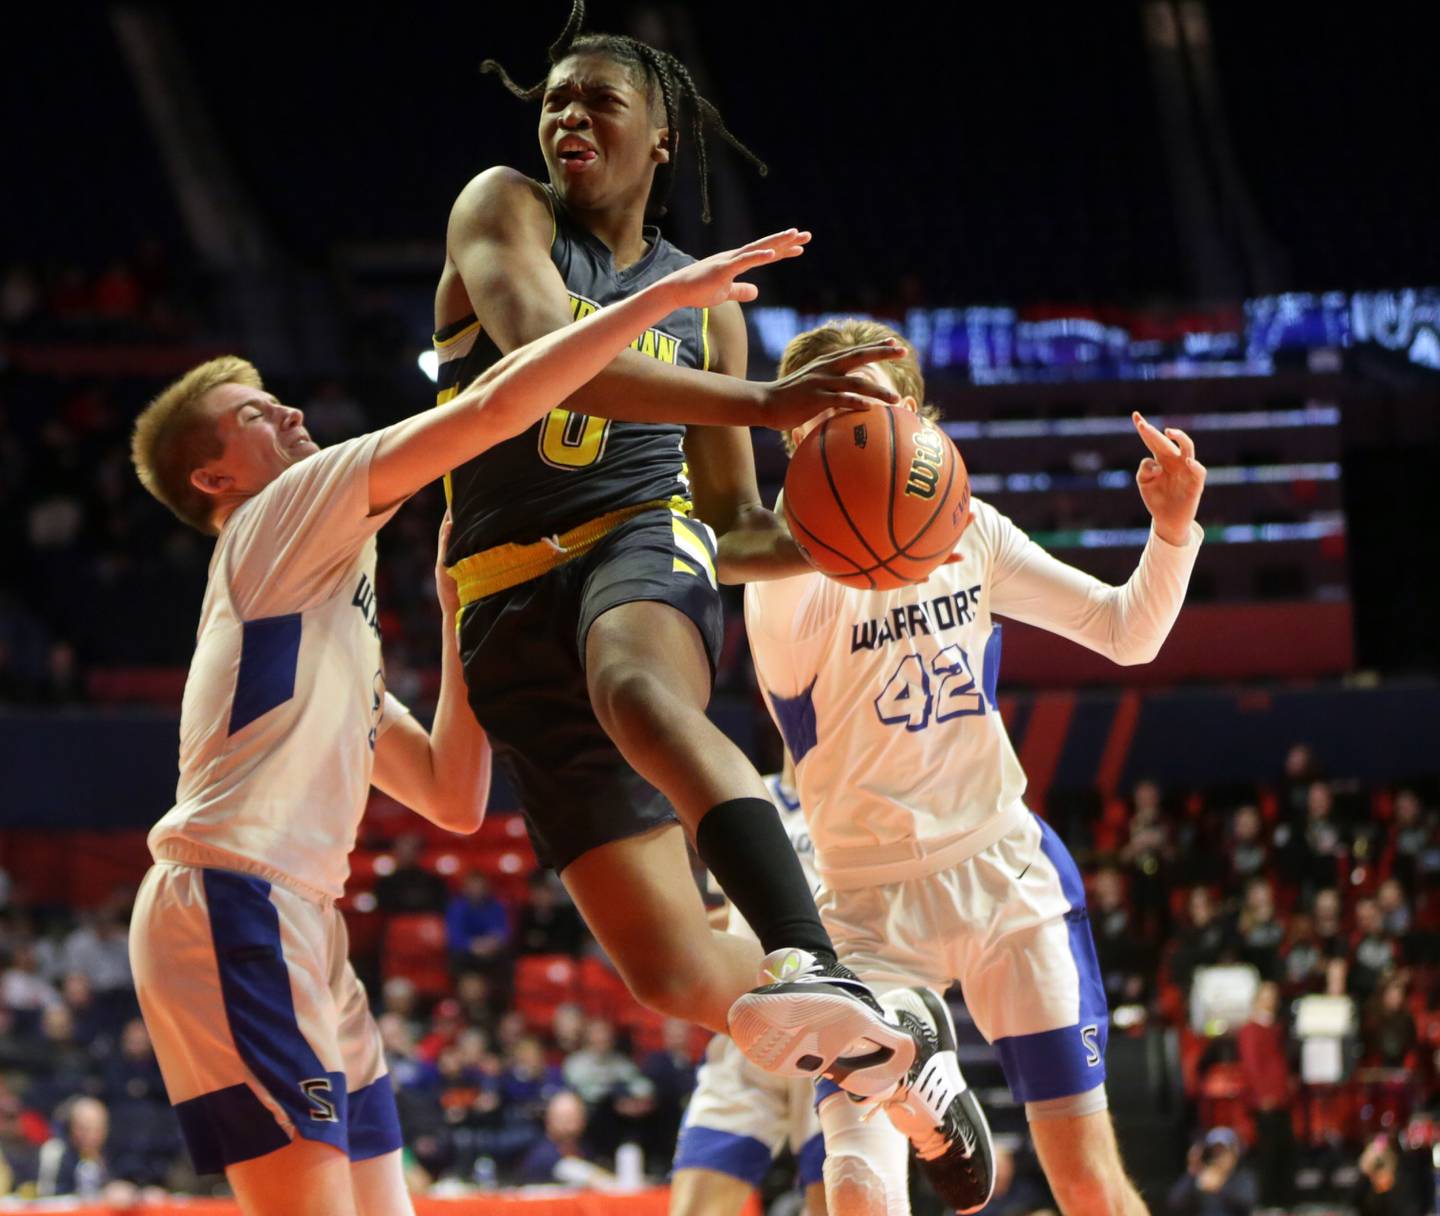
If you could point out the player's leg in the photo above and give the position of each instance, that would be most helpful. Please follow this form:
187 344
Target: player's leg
379 1185
815 1204
892 937
696 1192
734 1124
377 1173
1082 1162
305 1178
231 975
640 901
1052 1044
867 1161
650 630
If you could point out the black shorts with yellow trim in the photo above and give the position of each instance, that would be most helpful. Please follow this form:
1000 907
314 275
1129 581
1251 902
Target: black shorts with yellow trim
523 650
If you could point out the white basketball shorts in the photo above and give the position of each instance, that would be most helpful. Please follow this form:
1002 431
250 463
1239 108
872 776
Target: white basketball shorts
1010 924
740 1117
261 1027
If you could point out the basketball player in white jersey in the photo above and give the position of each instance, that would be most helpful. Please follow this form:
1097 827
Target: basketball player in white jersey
933 868
740 1117
268 1049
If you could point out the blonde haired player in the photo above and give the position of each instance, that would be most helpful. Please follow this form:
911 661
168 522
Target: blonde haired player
933 867
268 1049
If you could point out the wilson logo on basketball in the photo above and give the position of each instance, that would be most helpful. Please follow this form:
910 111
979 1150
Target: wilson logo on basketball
925 465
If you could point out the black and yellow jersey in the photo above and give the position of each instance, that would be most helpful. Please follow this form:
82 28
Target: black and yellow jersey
570 467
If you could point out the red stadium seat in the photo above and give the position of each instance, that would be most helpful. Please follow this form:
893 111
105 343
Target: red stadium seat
602 993
543 982
414 947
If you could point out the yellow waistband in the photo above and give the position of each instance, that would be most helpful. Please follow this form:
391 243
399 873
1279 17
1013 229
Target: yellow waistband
509 565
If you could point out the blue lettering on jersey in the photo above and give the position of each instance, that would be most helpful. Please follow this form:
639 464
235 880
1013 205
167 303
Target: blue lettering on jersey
917 620
369 605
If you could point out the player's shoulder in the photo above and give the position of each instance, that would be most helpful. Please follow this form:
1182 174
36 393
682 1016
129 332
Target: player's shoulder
500 195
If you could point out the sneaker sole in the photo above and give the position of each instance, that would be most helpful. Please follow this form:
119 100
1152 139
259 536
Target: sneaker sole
801 1034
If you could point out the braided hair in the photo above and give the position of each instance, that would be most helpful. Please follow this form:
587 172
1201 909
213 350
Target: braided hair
661 70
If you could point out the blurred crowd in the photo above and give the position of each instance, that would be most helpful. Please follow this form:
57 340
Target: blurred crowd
517 1057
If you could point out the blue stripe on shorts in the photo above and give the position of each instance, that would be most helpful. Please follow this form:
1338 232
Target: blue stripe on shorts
1069 1060
706 1148
255 985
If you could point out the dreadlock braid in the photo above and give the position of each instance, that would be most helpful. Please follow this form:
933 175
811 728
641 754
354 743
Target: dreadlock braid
661 70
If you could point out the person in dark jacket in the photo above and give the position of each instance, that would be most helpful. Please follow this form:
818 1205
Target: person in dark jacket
1215 1183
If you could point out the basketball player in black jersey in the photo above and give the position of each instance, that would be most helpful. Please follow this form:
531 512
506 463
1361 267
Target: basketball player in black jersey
585 552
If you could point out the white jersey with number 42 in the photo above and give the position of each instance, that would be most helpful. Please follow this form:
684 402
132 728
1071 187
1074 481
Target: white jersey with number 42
886 699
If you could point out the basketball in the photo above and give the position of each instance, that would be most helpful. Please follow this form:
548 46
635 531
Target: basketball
877 498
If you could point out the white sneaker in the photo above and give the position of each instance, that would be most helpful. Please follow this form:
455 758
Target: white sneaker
810 1020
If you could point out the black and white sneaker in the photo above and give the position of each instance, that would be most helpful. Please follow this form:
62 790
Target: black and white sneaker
937 1111
811 1020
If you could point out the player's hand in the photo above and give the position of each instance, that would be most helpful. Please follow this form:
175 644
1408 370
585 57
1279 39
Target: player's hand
824 384
711 282
1170 480
445 589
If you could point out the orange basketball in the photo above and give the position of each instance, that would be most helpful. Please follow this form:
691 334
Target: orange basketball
877 498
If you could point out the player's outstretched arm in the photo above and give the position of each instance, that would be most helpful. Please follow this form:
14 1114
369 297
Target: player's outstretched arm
527 383
498 241
1127 624
443 775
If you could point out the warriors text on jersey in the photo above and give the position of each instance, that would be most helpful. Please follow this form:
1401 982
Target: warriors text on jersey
286 694
886 699
569 467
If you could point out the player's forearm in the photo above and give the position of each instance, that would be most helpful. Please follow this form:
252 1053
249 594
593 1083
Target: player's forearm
589 358
460 753
759 548
1127 624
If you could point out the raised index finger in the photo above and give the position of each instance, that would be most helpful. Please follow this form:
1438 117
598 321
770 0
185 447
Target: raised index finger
1160 447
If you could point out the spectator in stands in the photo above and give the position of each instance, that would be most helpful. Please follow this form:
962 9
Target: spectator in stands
612 1086
567 1030
400 998
401 1062
99 948
671 1072
477 928
409 887
1214 1183
77 1163
14 1046
1263 1048
1249 850
145 1140
1321 841
509 1030
1395 912
1377 1192
1126 960
549 923
477 1002
133 1074
60 1065
1329 929
93 1025
1299 773
19 1155
1374 954
1148 854
564 1155
1388 1030
1202 943
446 1023
1302 959
1410 835
1260 931
529 1082
23 989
